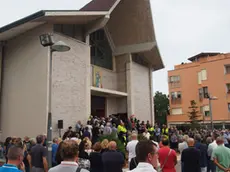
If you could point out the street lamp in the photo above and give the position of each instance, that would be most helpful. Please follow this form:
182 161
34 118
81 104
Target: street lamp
210 98
46 40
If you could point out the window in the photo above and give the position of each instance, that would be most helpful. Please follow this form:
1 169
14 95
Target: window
228 107
173 79
176 95
205 110
227 69
205 89
101 53
71 30
177 111
228 88
203 92
202 76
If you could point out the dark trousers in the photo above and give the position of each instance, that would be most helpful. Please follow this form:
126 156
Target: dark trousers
182 167
54 164
27 169
211 167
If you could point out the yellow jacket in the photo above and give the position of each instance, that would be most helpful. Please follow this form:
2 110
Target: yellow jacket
121 128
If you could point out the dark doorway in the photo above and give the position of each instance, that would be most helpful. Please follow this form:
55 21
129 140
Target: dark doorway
98 106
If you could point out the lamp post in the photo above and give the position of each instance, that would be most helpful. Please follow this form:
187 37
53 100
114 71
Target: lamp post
210 98
46 40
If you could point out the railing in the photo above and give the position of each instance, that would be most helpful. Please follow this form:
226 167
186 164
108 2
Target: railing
176 101
174 84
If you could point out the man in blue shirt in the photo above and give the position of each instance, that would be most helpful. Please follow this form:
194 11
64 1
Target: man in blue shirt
203 153
54 151
15 160
113 160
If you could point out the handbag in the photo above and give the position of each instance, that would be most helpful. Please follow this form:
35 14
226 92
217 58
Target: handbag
160 169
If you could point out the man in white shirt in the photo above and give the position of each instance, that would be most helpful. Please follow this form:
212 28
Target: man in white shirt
146 134
184 145
131 146
147 156
211 147
70 156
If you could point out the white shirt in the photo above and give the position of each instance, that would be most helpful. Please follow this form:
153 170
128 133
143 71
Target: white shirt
211 147
144 167
90 129
131 148
147 135
182 146
67 167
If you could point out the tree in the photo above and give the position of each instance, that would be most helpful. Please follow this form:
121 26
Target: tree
194 115
161 107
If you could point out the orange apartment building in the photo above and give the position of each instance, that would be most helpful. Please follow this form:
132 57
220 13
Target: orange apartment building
207 73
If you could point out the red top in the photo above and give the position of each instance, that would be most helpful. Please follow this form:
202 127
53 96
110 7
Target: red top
170 164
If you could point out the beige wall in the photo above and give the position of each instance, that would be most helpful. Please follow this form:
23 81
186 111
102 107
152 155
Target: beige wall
112 79
115 105
71 83
122 105
108 77
111 106
216 83
121 72
141 92
24 97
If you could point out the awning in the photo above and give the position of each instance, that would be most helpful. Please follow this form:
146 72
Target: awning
49 16
106 92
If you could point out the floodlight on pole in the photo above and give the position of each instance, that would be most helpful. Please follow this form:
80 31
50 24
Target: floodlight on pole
46 40
60 46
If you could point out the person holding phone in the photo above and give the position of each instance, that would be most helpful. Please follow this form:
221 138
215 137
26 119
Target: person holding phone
15 160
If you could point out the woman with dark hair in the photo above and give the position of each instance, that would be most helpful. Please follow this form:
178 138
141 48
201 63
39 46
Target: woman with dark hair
96 164
26 159
95 133
58 157
83 160
7 145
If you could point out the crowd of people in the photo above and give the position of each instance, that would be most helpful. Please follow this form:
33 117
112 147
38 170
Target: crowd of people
148 148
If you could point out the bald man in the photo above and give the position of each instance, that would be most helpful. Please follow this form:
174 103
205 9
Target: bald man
113 160
221 156
191 158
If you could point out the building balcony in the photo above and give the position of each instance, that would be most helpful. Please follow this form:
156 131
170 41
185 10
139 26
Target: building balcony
174 84
176 101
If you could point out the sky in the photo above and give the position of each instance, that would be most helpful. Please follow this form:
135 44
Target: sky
183 27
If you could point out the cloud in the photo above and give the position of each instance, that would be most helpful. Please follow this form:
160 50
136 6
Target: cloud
185 28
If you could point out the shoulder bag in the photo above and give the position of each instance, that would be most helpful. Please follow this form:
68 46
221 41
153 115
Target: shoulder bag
160 169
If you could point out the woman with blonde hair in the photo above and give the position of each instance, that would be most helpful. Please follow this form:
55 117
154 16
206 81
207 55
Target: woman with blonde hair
104 145
88 148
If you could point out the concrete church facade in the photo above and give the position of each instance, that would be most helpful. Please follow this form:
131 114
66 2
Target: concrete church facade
107 71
